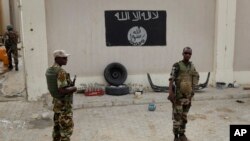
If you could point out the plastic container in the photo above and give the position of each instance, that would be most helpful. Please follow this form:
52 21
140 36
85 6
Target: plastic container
99 92
4 56
151 106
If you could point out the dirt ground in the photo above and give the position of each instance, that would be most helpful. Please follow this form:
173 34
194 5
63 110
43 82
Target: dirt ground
209 120
12 83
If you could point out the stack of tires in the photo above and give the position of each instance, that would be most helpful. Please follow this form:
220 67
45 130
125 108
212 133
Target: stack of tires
116 74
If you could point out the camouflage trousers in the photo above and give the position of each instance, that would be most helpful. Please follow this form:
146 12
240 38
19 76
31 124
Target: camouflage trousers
12 50
180 111
63 120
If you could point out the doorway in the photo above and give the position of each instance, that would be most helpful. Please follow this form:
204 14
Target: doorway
12 82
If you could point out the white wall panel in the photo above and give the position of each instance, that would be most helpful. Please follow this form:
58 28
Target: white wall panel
78 26
242 36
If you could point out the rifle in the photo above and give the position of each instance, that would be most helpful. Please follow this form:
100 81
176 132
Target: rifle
74 80
174 92
70 82
173 102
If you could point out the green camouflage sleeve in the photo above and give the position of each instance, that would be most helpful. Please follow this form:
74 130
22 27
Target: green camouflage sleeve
196 75
62 79
174 71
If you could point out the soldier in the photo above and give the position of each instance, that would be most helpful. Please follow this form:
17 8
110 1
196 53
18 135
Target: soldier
10 41
61 88
183 78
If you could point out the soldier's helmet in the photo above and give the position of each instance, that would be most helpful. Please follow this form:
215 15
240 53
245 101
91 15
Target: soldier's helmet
9 27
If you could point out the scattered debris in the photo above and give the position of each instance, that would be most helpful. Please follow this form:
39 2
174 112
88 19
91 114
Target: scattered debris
91 89
233 85
36 116
9 124
46 115
197 116
246 87
225 117
240 101
138 95
135 87
224 109
40 123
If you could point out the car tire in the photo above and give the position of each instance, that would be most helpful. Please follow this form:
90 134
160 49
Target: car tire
117 90
115 74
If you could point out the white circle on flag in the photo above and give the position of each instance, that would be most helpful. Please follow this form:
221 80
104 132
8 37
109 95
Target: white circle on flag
137 36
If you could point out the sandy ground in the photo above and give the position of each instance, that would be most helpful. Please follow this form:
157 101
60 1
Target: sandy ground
208 121
12 83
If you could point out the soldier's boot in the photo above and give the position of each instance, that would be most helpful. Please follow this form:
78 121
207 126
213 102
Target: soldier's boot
10 67
56 139
183 137
65 139
16 67
176 138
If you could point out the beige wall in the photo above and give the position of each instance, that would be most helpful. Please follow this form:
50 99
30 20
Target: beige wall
15 14
1 19
78 27
5 13
242 36
34 46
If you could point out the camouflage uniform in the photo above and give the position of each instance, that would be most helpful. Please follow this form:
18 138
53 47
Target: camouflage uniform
63 114
10 41
185 77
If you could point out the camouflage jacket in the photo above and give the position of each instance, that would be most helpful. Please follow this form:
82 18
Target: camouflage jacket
10 38
185 77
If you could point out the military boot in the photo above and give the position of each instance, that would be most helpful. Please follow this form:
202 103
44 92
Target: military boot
56 139
183 137
176 138
10 67
16 67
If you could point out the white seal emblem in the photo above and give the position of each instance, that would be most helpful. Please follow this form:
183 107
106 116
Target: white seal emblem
137 36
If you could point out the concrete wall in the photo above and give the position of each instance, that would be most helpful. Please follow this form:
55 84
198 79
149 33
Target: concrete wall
15 14
224 41
79 28
35 47
1 19
242 36
6 14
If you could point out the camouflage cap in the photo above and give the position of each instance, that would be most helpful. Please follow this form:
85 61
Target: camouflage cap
60 53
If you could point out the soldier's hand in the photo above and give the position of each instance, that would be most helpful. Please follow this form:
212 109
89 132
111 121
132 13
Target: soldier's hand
171 97
71 89
74 89
190 98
